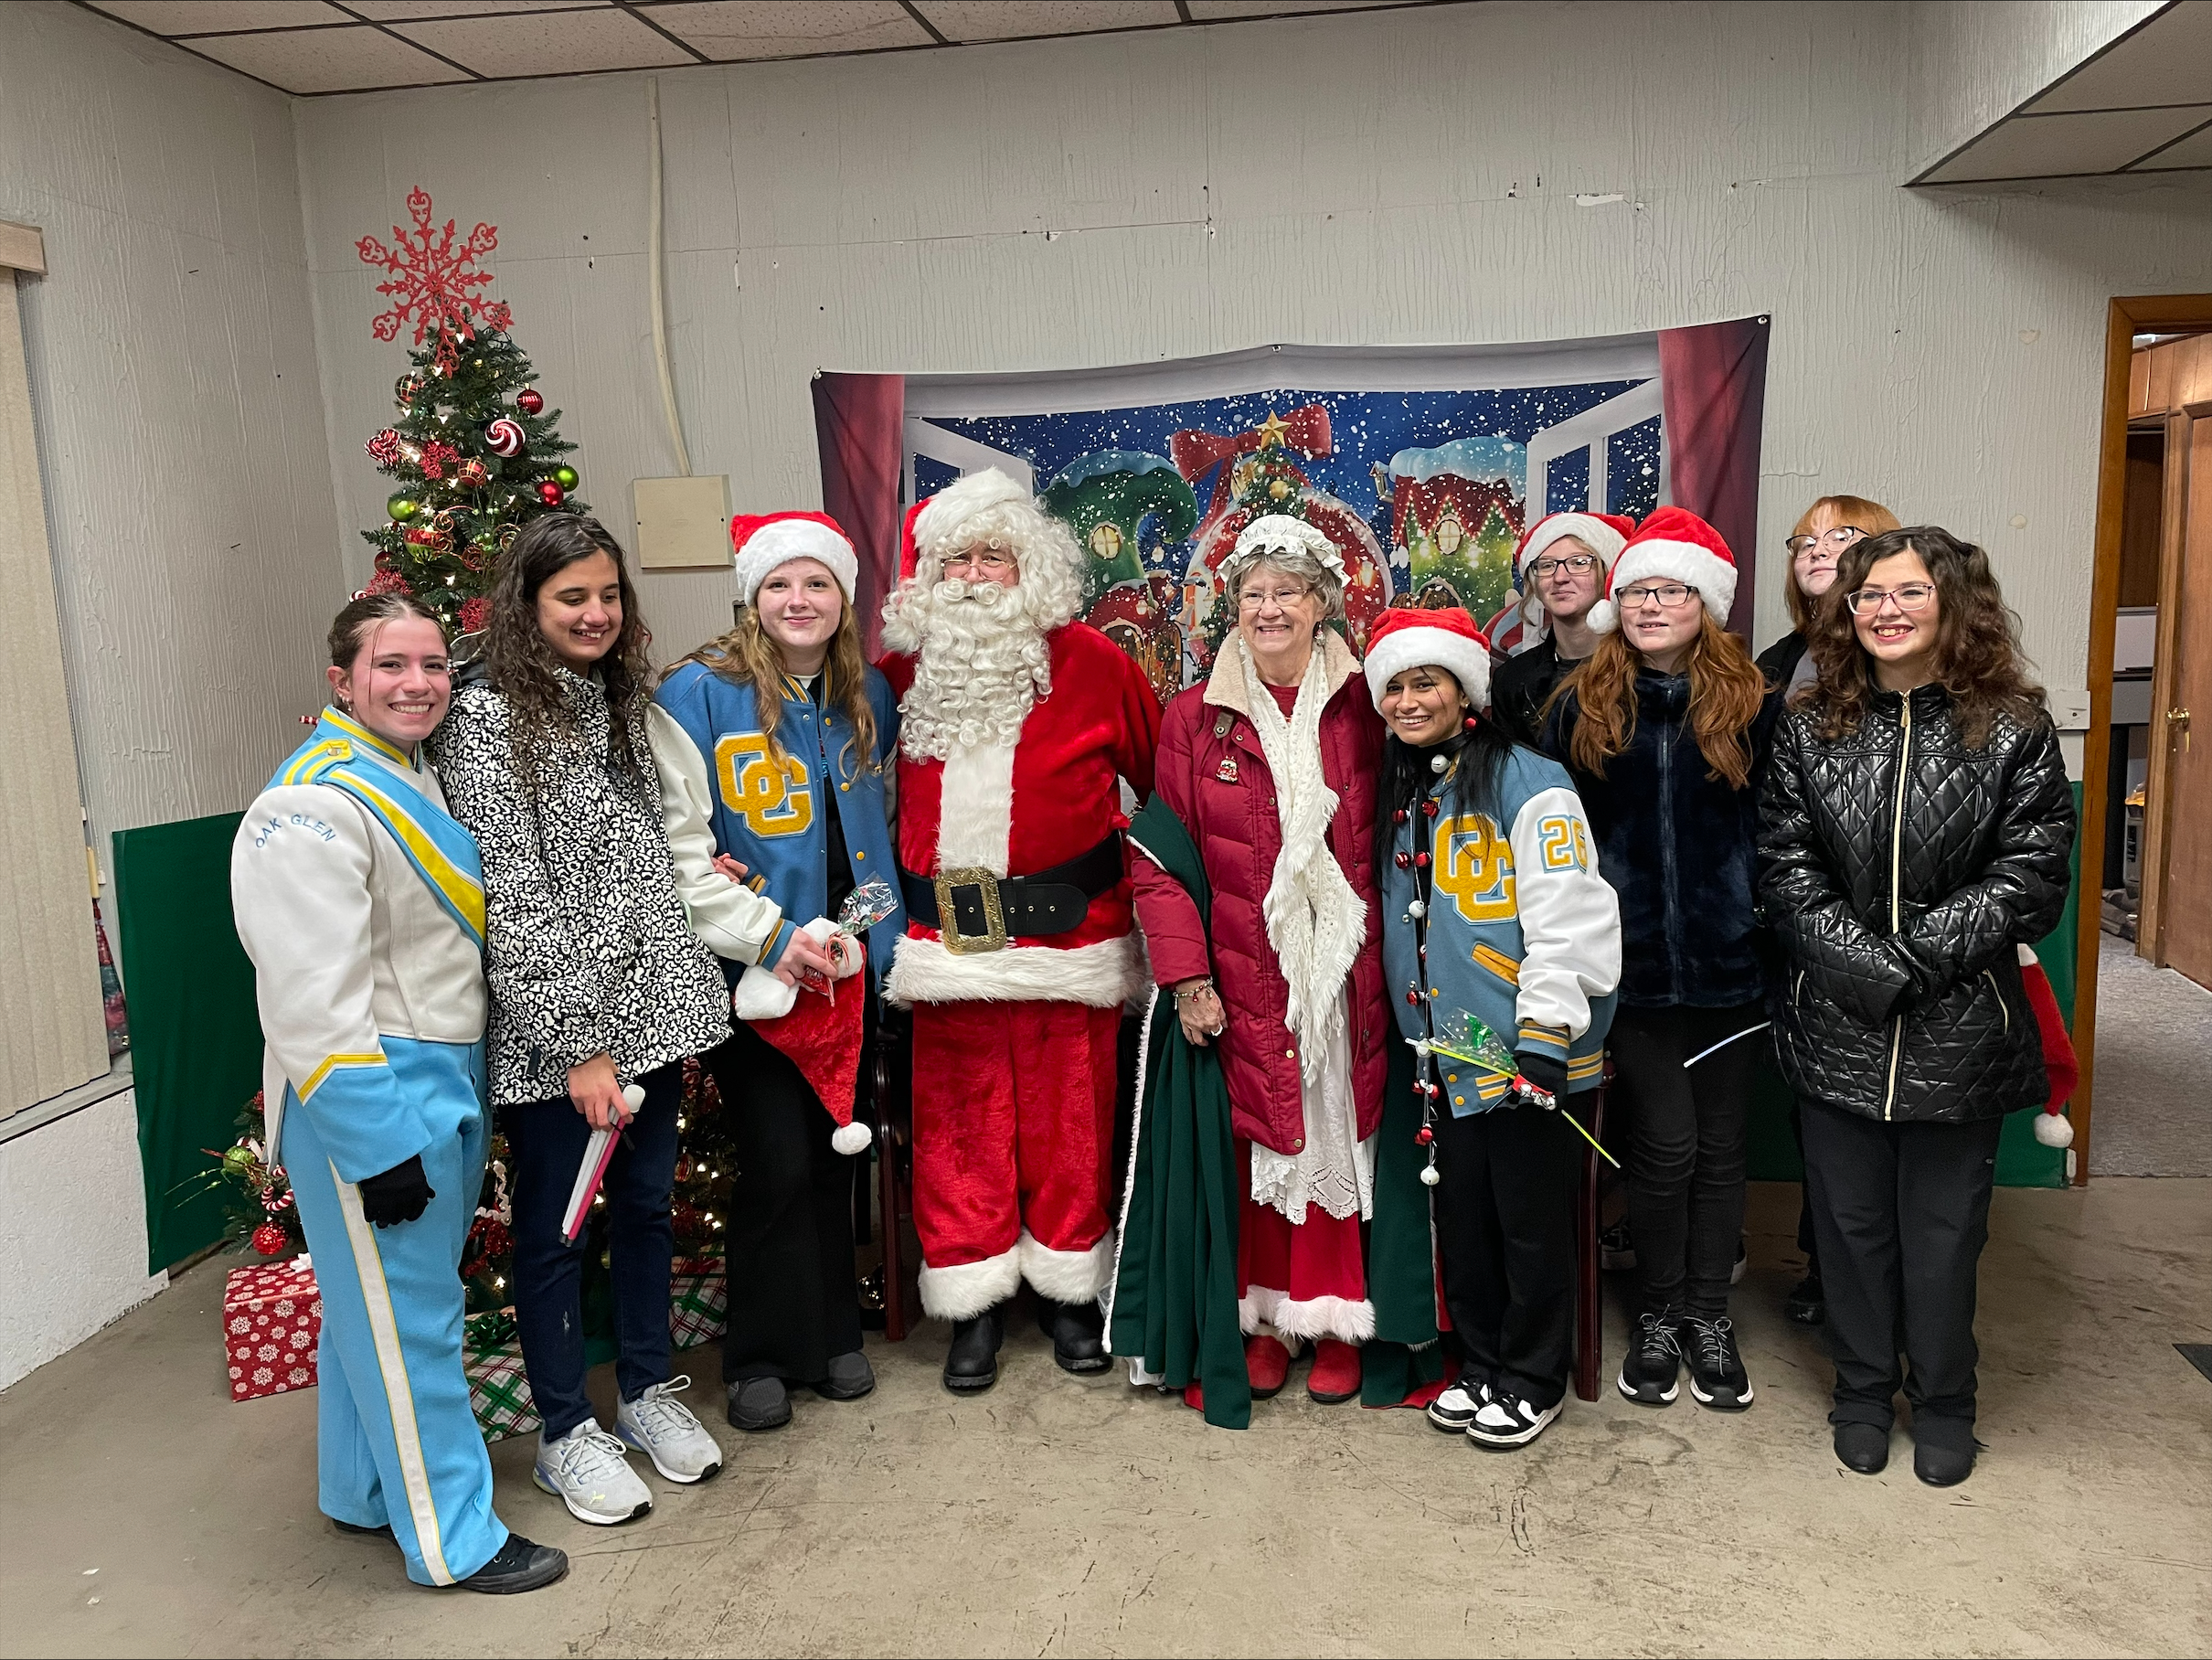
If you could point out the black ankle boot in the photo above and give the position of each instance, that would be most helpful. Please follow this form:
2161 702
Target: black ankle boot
972 1364
1077 1331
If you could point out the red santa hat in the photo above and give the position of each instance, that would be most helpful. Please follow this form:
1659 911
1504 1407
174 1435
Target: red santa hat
762 541
1678 545
1445 638
1604 534
2061 1066
934 525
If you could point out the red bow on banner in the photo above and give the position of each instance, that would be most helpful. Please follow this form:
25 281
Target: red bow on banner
1305 430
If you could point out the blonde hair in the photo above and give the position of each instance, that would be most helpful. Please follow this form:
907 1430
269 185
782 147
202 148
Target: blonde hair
748 658
1870 517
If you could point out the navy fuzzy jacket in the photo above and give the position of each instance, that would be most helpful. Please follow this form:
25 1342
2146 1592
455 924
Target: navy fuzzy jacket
1679 847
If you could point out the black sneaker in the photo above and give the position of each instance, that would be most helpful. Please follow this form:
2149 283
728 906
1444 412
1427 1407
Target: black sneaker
1507 1422
1616 1248
519 1565
1808 1304
1717 1375
1655 1357
757 1404
1455 1408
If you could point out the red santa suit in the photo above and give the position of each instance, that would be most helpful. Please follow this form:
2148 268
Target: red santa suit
1015 1042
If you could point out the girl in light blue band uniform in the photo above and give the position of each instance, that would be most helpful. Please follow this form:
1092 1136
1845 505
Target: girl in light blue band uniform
361 902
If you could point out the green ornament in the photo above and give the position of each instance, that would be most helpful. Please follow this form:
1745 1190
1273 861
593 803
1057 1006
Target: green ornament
238 1159
402 509
565 477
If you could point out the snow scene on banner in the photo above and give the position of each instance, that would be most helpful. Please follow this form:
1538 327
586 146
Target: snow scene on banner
1424 494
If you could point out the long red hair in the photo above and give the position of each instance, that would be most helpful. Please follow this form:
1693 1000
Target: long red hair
1725 691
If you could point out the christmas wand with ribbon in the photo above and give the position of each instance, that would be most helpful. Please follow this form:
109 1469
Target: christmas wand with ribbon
1463 1037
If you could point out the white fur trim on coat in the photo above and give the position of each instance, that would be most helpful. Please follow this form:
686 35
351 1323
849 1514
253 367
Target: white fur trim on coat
1416 647
975 808
1315 1317
1065 1276
1104 974
969 1289
1712 576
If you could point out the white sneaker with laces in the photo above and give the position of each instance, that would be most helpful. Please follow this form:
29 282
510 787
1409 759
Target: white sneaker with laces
587 1470
1507 1421
664 1431
1455 1408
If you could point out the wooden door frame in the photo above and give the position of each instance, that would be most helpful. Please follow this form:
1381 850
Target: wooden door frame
2128 317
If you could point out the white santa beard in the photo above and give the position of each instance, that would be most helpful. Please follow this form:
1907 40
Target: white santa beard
982 661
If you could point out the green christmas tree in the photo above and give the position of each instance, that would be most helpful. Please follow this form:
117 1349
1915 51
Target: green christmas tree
474 455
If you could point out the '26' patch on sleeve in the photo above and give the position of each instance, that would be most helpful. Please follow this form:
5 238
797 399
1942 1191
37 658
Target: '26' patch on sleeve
1563 843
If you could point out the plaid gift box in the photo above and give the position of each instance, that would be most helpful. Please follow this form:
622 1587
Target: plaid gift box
698 1302
272 1323
499 1392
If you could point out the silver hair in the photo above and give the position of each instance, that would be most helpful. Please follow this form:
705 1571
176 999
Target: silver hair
1299 566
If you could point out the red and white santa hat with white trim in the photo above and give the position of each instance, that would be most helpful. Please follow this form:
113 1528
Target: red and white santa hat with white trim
1445 638
1604 534
1674 545
762 541
933 524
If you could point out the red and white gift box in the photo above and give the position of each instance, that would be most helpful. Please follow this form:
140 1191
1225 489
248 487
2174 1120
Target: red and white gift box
272 1323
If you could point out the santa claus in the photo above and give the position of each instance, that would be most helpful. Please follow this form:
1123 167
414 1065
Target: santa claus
1018 728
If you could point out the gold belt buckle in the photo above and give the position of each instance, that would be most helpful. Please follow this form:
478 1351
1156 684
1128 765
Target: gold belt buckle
994 922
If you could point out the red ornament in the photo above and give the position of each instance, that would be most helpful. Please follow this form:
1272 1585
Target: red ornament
473 615
437 456
1402 860
422 536
551 493
431 284
1470 723
472 473
503 437
529 401
384 447
1430 808
1421 860
1398 818
1413 996
268 1239
386 582
1424 1135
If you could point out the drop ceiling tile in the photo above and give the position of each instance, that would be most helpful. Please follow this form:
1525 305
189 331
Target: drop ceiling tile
218 16
549 43
1026 19
412 11
735 30
2194 151
351 59
2046 146
2167 61
1219 11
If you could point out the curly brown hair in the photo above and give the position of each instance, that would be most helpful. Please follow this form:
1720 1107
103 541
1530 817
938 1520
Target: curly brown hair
1977 651
748 658
1725 692
522 663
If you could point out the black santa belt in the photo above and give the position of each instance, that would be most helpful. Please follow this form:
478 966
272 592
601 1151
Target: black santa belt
977 911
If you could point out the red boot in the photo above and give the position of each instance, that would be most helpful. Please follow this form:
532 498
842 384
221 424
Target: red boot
1194 1396
1267 1364
1335 1375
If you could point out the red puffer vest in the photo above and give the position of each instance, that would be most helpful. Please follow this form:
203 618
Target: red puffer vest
1212 774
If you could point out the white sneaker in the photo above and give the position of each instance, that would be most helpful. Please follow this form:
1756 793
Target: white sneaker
663 1429
1455 1408
1507 1421
587 1471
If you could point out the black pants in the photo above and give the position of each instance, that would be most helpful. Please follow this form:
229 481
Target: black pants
1506 1233
793 1300
1807 1244
546 1140
1902 1213
1686 1129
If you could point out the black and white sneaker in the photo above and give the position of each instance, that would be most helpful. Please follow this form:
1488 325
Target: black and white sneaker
1616 1248
1717 1378
1654 1360
1506 1421
1455 1408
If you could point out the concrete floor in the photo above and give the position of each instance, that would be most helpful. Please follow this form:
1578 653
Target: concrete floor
1059 1516
2153 1115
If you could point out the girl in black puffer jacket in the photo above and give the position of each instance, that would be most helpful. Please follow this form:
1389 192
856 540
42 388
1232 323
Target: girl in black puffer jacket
1918 824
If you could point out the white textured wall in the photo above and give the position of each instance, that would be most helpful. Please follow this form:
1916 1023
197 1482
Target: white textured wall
73 1233
172 371
1976 61
1399 177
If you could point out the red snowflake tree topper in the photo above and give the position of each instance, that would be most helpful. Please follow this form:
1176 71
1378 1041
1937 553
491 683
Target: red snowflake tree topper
431 284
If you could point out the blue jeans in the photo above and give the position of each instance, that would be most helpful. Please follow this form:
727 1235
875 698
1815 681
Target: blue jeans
547 1139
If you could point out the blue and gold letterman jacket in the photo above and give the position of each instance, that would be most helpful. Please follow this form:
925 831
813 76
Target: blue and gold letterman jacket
721 791
1505 919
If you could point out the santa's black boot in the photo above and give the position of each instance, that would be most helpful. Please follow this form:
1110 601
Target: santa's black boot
1077 1331
971 1363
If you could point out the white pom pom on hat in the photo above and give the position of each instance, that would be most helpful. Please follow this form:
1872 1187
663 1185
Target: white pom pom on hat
1445 638
1674 544
2054 1129
760 542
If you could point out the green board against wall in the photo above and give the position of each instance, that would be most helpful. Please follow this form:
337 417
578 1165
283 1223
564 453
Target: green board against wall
195 1035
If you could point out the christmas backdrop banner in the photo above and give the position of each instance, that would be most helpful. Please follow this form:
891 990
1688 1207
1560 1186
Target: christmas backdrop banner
1423 465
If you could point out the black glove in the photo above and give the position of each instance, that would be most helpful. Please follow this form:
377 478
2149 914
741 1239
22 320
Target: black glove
399 1195
1542 1070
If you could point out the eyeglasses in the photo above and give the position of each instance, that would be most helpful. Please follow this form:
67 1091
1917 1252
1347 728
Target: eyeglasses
1913 596
983 560
1581 564
1828 545
1255 598
1666 595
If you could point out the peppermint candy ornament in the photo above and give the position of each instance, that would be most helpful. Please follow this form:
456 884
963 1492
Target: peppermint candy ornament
503 437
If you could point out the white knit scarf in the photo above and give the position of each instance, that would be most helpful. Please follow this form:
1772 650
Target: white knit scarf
1314 921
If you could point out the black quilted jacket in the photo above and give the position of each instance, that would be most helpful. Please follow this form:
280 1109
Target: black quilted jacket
1899 870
